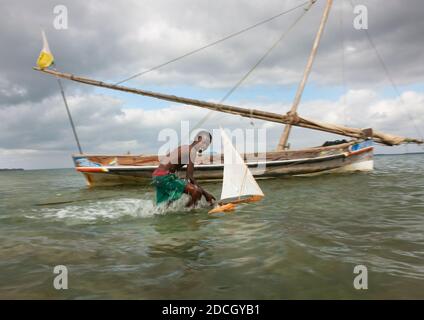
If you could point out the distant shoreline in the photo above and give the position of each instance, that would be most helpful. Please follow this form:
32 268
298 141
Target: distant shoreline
376 155
397 154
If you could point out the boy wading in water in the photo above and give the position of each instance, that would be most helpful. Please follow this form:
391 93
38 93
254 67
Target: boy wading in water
168 186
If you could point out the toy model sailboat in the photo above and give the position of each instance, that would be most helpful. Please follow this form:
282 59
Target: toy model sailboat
238 183
353 155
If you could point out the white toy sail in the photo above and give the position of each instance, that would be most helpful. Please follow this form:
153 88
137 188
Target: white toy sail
238 185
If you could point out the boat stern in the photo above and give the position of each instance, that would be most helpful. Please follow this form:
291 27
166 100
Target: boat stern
362 154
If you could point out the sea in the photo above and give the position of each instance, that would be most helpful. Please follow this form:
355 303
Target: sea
335 236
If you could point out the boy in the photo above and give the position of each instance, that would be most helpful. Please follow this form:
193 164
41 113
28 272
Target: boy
168 186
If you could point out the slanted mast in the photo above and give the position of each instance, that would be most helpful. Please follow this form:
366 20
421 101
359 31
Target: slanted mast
285 135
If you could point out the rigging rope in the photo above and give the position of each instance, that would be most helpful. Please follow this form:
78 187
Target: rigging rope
389 77
261 59
214 43
344 86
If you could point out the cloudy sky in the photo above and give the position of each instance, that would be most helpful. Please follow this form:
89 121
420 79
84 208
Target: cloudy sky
111 41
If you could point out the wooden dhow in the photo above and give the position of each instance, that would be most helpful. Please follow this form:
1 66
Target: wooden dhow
342 156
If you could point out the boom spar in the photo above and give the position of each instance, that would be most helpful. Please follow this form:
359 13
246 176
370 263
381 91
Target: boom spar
289 118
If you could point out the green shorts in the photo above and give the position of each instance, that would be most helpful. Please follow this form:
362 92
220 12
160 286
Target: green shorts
168 187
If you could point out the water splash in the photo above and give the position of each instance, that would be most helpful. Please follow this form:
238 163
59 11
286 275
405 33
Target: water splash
115 209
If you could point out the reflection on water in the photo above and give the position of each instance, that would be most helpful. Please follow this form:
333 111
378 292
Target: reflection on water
302 241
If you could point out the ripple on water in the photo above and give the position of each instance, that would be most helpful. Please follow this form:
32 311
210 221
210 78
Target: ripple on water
301 241
109 210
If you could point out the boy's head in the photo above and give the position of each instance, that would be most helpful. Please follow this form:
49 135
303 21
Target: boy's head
202 140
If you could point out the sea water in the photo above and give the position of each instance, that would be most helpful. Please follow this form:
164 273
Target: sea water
303 240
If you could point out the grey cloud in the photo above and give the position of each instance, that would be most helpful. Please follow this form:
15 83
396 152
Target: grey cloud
111 41
43 127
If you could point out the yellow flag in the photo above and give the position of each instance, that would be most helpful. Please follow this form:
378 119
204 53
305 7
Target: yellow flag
45 58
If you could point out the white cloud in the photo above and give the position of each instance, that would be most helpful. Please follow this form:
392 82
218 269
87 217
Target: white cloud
105 125
111 42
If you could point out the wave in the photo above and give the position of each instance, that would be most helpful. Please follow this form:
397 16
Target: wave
114 209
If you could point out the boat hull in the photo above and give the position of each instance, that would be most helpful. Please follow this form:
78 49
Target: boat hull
106 170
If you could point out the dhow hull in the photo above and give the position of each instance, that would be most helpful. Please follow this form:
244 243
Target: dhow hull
109 170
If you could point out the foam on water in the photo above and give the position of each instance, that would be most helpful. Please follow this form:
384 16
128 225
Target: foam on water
114 209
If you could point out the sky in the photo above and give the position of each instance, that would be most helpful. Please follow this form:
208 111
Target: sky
112 41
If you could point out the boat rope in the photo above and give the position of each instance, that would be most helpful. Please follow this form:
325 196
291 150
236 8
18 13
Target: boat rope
71 121
258 62
215 42
390 78
343 58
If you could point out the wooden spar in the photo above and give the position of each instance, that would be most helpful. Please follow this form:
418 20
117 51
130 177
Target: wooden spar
285 135
248 113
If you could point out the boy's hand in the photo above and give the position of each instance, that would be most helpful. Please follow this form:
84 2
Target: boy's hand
210 198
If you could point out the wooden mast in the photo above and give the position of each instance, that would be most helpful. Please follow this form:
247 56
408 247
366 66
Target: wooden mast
282 145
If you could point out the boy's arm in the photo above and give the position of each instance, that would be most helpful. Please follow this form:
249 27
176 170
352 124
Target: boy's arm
207 195
189 172
190 178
